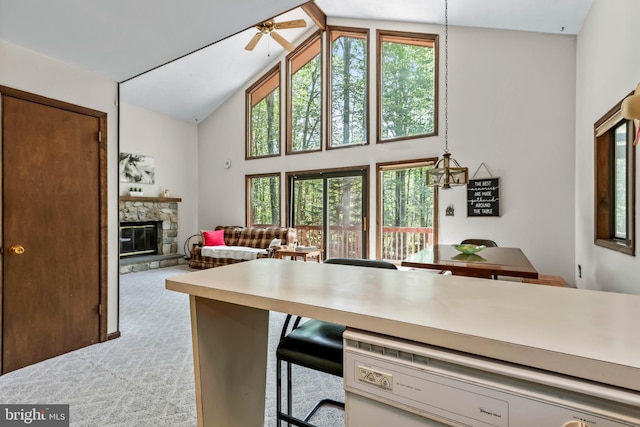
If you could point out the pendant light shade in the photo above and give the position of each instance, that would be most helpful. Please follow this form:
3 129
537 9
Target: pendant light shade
447 172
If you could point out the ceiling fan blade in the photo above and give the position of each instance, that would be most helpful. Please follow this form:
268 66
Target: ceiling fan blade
297 23
285 44
253 42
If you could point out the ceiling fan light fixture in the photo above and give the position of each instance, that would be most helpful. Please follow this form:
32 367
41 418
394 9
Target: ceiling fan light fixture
269 27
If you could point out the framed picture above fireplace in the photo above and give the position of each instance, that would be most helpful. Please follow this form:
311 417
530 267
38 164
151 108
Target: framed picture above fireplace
137 169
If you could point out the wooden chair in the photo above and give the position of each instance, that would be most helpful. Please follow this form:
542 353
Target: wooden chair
485 242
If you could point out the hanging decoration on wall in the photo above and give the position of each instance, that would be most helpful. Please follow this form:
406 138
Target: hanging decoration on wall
137 169
447 172
631 111
483 195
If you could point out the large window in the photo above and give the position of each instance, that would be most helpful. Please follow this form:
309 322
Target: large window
348 92
615 182
406 220
263 116
329 210
407 86
263 199
304 72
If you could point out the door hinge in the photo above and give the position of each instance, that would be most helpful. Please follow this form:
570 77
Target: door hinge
100 309
99 136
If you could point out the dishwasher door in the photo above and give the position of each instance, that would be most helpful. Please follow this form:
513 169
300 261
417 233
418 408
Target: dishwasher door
364 412
394 383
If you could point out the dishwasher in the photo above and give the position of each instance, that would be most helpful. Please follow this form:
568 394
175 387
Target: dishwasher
395 383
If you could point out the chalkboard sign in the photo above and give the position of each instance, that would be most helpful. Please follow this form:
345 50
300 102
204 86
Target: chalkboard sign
483 197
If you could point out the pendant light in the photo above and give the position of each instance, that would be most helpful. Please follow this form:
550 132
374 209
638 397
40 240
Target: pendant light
447 172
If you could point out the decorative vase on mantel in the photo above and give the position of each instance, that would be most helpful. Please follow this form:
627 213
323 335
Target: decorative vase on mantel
135 192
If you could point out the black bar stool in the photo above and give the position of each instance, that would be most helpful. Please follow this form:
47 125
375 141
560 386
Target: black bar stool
314 344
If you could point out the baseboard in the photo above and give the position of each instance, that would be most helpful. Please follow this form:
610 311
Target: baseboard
113 335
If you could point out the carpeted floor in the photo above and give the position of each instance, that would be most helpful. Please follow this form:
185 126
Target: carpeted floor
145 377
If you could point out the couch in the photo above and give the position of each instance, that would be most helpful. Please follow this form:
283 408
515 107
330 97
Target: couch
236 238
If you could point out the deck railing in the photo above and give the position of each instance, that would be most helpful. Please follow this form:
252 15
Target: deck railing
346 242
398 243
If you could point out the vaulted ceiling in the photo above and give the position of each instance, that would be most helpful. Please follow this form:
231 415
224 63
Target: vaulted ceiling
122 39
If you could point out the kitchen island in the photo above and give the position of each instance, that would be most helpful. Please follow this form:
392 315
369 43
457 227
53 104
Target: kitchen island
585 334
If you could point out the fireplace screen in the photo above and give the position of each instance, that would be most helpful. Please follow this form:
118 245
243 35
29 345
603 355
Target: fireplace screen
138 238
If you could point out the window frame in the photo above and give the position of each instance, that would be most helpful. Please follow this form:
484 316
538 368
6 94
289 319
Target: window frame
394 165
329 173
248 113
248 198
604 182
364 33
431 38
317 36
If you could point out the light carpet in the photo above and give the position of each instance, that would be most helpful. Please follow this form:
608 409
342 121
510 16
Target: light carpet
145 377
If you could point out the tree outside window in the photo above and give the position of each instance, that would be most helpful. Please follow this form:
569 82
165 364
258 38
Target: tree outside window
406 85
263 116
263 199
406 209
304 68
348 87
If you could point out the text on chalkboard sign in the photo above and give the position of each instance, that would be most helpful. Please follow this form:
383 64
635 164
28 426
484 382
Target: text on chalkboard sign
483 197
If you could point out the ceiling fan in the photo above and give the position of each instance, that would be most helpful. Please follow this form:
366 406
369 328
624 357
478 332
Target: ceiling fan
269 27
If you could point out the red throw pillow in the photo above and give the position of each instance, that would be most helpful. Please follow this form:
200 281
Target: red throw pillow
213 238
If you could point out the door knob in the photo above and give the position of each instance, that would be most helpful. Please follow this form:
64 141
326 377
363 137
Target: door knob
16 250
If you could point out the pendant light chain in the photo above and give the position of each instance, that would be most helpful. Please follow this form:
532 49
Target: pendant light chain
447 172
446 77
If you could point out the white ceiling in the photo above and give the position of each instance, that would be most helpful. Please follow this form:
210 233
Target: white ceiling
121 39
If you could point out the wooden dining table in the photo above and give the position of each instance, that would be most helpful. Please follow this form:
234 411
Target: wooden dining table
488 263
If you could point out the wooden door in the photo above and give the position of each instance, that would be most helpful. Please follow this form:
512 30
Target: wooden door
52 207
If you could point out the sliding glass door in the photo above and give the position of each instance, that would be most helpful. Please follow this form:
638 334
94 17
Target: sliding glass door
329 211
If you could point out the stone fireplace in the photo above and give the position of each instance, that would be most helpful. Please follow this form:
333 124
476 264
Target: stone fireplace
148 233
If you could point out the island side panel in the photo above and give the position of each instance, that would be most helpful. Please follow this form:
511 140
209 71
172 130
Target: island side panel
230 359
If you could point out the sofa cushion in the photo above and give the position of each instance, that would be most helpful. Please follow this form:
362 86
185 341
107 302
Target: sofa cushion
233 252
231 234
260 237
213 238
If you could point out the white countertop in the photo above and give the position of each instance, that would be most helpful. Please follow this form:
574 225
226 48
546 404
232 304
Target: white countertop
587 334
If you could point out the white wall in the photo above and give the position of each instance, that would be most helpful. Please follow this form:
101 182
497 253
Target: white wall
173 144
608 68
31 72
511 106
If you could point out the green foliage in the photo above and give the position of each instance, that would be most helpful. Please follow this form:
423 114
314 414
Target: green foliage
265 125
348 91
308 202
408 96
306 106
406 199
265 200
345 201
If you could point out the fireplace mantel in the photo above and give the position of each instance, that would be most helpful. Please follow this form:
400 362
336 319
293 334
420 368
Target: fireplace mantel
150 199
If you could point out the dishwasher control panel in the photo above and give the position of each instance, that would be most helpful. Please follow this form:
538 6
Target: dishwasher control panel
370 375
456 389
